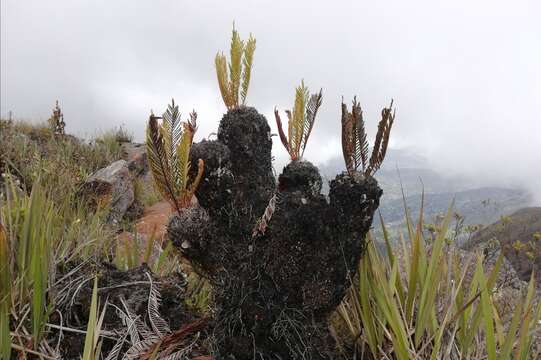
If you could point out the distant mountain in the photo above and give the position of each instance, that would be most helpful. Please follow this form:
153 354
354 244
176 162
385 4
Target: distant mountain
405 170
477 206
402 168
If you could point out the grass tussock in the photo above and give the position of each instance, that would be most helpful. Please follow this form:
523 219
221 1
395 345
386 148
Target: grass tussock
44 224
429 302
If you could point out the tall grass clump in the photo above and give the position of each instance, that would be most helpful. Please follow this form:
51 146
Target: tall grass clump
423 302
36 236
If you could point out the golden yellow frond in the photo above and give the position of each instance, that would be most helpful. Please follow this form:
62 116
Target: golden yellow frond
299 112
240 66
300 121
248 59
183 160
235 66
223 82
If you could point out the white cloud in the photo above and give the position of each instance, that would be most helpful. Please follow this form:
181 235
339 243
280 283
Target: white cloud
465 75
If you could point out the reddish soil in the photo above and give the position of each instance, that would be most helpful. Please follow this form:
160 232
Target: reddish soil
154 221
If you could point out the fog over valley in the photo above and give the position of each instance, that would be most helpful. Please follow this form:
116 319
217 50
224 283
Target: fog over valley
465 77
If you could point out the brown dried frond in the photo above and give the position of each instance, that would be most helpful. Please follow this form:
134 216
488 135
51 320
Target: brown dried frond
174 341
283 137
355 140
361 138
382 139
348 144
311 111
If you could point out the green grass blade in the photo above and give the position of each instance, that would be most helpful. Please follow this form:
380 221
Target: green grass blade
486 308
429 290
505 352
88 353
5 295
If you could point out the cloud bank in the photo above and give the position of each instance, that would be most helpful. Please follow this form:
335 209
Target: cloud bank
465 76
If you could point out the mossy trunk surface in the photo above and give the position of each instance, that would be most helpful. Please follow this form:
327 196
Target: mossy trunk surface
274 291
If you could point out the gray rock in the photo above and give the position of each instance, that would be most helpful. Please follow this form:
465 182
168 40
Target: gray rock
112 187
136 156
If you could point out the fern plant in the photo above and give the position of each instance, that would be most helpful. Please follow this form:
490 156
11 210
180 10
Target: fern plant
168 146
239 68
355 140
300 121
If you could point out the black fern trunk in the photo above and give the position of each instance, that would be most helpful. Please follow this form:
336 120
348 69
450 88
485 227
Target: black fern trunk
274 291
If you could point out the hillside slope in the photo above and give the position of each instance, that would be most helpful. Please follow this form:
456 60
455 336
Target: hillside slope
519 236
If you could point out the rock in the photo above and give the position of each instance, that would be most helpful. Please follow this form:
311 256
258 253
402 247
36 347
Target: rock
136 156
111 187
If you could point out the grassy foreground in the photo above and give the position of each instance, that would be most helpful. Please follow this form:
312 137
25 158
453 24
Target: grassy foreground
417 301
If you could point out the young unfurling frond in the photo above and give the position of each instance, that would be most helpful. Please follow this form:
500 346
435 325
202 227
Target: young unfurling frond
240 67
300 121
355 142
168 148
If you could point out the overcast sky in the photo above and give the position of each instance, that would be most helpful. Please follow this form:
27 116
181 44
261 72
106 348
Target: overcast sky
465 75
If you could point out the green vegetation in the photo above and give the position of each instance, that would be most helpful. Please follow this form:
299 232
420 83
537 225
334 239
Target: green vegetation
31 151
45 224
300 121
421 302
168 148
422 299
92 339
240 67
